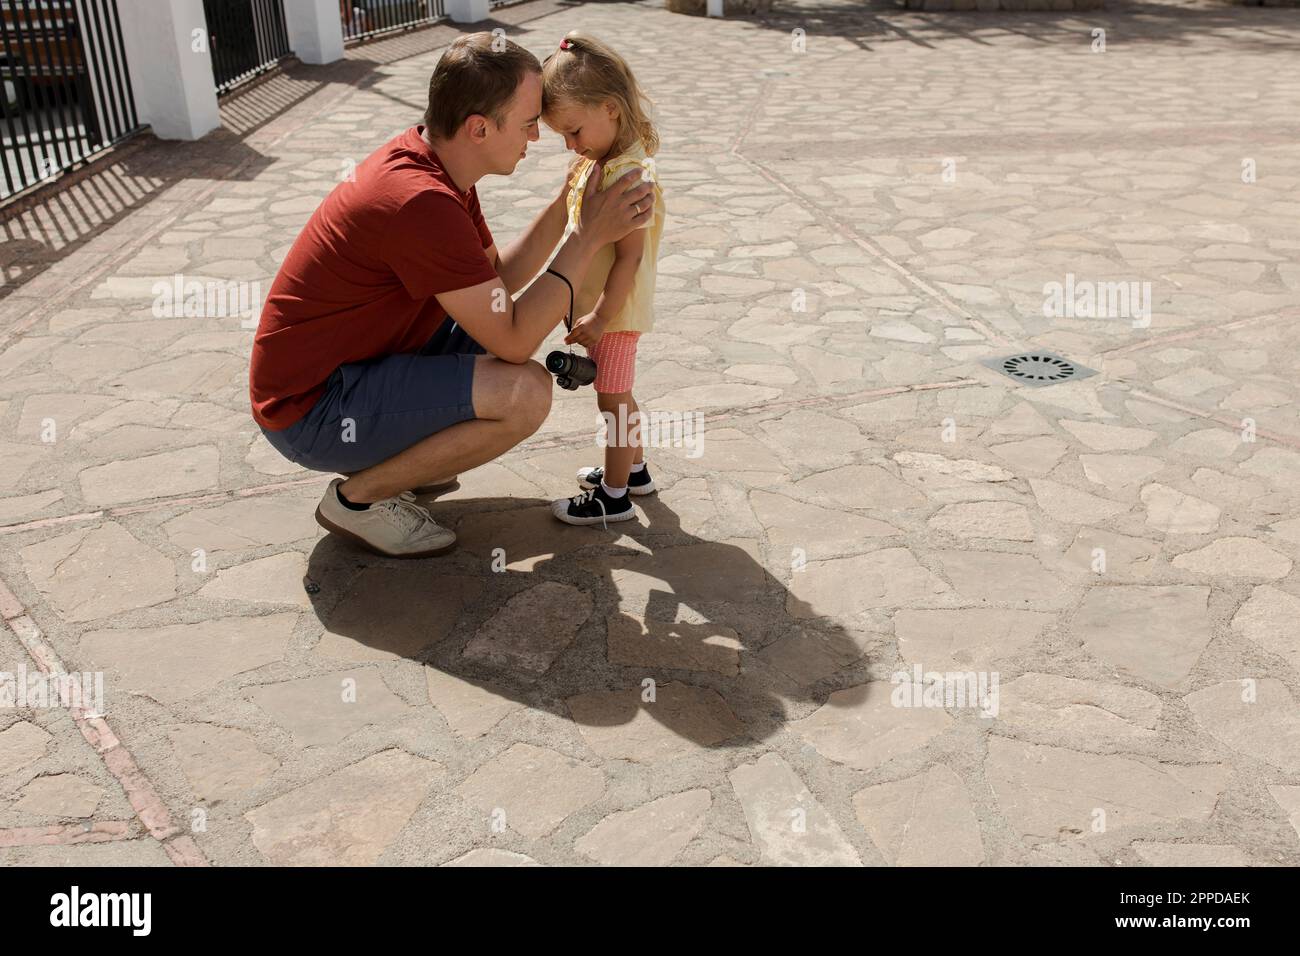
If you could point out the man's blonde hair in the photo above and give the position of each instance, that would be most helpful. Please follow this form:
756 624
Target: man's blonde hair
588 73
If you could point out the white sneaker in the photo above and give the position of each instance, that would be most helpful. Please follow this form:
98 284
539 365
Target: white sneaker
394 527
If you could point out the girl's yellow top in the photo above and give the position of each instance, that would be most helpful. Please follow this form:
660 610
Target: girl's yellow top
637 314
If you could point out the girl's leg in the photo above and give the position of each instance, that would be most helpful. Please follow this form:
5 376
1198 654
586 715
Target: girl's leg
620 454
640 443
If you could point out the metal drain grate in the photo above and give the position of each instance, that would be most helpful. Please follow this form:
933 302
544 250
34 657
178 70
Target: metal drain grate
1038 368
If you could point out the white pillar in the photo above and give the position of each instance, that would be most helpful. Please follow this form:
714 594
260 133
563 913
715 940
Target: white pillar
175 92
315 30
466 11
715 8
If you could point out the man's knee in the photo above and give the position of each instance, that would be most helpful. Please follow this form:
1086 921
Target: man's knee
525 396
535 389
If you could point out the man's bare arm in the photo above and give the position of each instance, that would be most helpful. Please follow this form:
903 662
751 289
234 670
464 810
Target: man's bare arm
512 330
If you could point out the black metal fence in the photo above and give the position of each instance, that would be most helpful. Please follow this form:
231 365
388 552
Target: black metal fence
368 18
65 90
246 38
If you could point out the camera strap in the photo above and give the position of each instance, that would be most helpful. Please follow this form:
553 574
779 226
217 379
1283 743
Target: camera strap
568 316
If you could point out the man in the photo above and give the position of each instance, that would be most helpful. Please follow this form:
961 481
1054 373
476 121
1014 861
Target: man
358 366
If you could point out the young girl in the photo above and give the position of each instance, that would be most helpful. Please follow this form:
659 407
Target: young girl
590 97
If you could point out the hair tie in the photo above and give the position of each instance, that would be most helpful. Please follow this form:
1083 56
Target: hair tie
565 44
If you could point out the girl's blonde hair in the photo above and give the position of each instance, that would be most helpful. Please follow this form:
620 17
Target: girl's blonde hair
588 72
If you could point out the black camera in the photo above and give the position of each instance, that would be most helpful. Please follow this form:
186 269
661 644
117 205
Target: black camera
570 370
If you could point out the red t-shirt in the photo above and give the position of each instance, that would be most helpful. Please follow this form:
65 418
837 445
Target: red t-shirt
359 281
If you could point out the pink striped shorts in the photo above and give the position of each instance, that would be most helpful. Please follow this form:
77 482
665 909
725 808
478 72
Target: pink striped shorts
615 358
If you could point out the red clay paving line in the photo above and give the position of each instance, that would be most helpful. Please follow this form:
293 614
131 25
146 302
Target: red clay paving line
155 505
1202 330
539 445
102 831
732 414
1224 420
848 232
140 792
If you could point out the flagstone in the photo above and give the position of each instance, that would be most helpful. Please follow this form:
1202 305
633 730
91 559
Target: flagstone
1094 712
96 572
326 708
220 763
394 613
819 532
1278 465
1104 553
22 744
1049 794
810 654
179 472
491 856
1190 854
1023 419
650 835
471 708
1032 456
863 728
924 820
61 409
789 825
1288 798
1175 512
532 629
244 523
679 645
1100 437
680 721
1154 632
1072 506
863 487
1269 618
985 519
59 796
178 661
1235 556
1119 472
347 818
23 506
999 577
887 578
532 790
1216 443
1264 725
970 637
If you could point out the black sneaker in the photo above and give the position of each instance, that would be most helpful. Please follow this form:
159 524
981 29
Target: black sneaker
593 507
638 482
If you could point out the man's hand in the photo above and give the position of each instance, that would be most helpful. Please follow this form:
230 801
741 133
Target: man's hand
576 162
608 216
587 330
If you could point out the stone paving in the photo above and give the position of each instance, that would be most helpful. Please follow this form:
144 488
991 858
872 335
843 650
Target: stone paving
852 228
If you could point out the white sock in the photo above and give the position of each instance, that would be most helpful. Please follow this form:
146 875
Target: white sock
614 492
638 467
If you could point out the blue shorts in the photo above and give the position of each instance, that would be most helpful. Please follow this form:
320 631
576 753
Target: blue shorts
371 411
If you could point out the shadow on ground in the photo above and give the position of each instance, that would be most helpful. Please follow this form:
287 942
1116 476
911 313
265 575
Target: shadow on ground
664 604
1172 22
